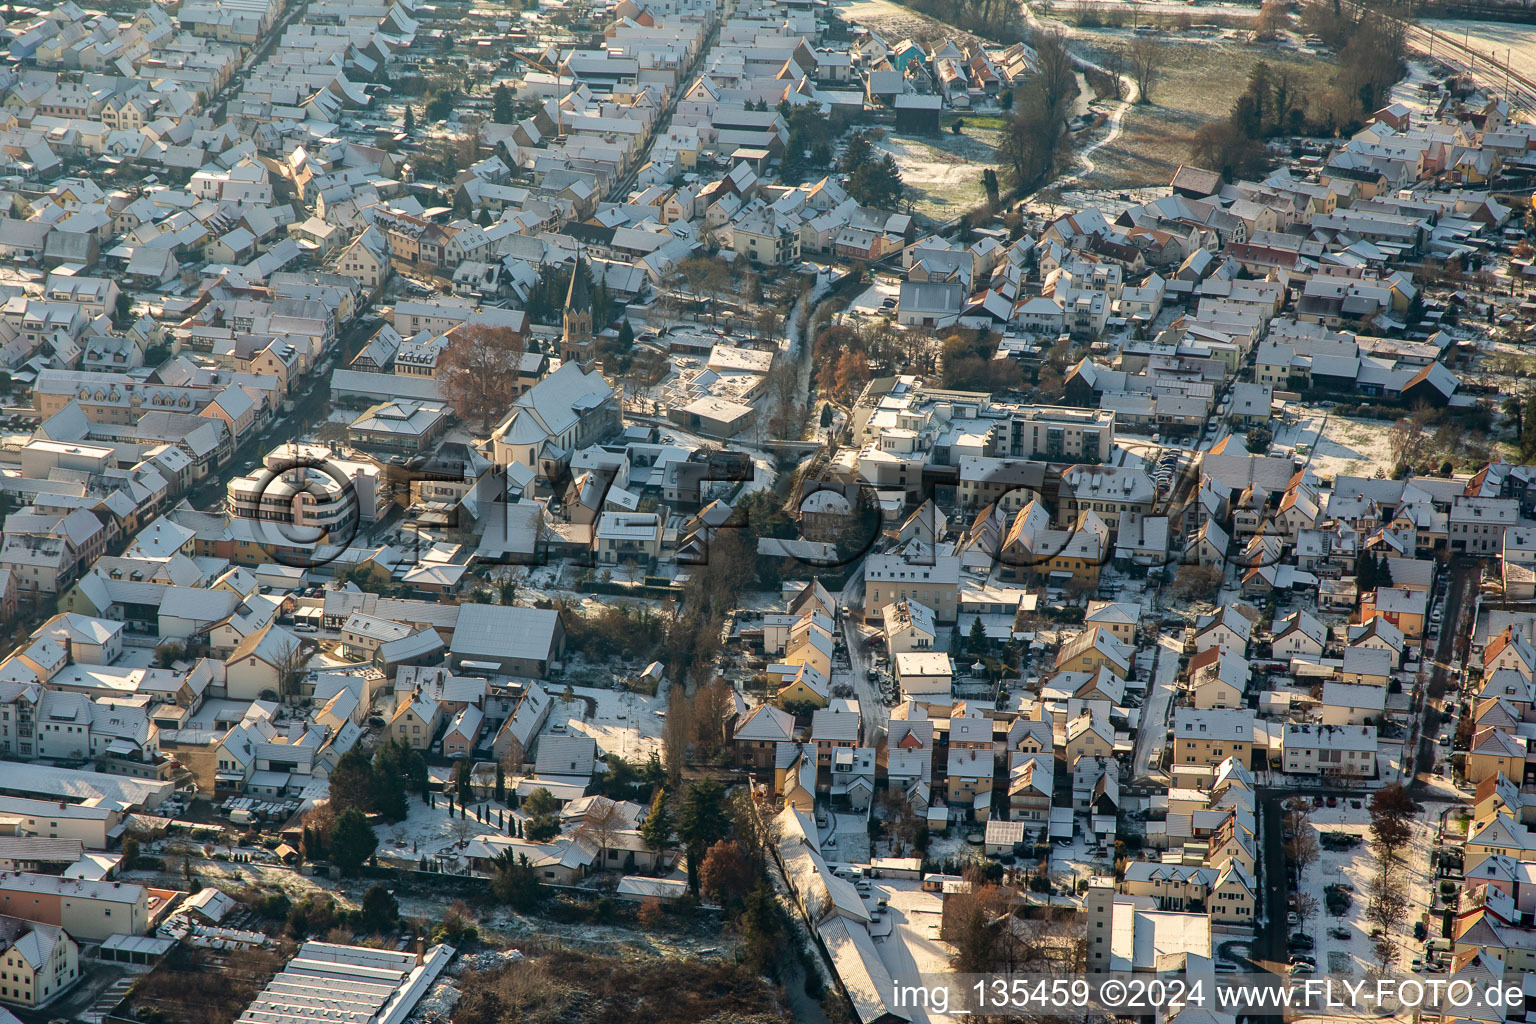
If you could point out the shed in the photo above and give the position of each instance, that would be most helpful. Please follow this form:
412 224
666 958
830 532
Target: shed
918 114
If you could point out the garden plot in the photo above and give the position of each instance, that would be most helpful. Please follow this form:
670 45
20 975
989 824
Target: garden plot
847 838
1340 445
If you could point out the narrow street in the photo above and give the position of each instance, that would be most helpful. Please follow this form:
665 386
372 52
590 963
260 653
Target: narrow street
876 715
621 188
1444 670
1157 709
1269 945
310 407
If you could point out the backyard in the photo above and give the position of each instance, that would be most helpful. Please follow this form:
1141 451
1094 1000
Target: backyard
942 173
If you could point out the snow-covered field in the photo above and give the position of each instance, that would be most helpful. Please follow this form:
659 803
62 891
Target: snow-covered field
1340 445
1408 93
951 845
1111 203
943 176
428 832
895 21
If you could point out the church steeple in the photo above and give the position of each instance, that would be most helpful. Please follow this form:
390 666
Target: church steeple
576 339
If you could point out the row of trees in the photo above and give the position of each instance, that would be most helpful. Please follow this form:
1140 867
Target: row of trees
1393 812
999 20
1036 144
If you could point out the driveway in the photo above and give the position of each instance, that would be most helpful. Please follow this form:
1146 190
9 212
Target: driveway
1155 712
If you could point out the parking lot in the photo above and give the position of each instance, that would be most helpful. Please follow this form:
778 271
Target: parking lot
1339 882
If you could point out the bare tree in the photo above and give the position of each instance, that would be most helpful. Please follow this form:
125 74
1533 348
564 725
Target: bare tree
1273 19
711 704
1147 59
1197 582
478 371
1302 849
784 397
512 759
1385 950
289 666
1393 811
1408 438
463 829
1057 76
1306 908
1386 904
602 823
675 733
970 926
1115 65
769 322
1080 588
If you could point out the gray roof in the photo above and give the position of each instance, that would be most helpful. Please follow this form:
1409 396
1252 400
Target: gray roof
932 297
385 385
501 632
566 755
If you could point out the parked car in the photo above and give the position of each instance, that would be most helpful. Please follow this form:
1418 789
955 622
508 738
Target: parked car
1303 969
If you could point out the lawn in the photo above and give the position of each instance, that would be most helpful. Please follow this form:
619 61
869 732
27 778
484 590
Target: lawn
968 121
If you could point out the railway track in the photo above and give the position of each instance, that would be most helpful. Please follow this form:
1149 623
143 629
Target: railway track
1519 89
